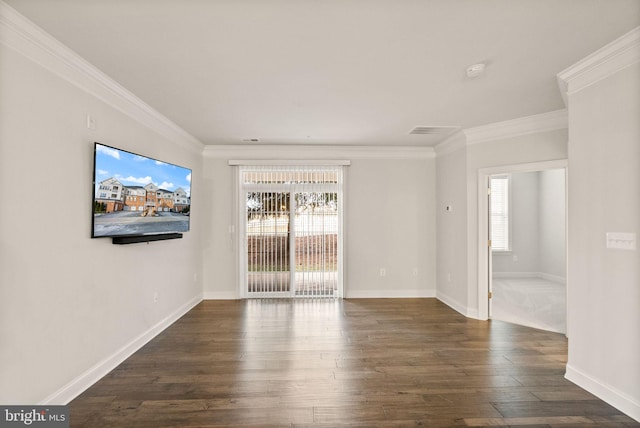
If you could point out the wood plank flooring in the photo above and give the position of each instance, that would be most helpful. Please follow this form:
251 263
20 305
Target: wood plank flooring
328 363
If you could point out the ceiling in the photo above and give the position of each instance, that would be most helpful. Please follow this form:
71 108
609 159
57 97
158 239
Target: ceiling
338 72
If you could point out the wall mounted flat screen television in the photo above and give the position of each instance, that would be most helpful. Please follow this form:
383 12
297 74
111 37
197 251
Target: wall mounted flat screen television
134 195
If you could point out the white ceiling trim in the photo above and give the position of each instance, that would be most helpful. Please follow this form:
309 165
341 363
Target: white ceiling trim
617 55
20 34
298 152
452 144
527 125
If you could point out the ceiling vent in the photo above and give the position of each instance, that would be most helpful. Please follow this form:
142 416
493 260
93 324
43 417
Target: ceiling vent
433 130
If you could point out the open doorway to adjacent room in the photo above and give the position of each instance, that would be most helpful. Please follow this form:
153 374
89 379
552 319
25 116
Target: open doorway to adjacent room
525 259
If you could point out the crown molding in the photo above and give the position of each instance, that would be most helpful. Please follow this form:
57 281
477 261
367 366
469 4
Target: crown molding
608 60
23 36
300 152
544 122
527 125
452 144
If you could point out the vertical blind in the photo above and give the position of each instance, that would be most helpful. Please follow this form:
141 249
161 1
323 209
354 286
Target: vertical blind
500 236
292 230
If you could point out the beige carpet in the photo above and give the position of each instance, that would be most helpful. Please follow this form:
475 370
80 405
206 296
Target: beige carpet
532 302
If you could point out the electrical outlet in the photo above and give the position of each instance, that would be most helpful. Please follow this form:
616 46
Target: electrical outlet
383 272
156 296
415 271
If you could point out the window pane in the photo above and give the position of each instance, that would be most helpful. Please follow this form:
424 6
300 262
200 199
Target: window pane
500 240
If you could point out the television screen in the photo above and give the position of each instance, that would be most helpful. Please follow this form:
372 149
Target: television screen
135 195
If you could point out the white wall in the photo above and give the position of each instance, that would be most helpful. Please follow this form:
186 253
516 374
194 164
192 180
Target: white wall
604 196
62 322
389 223
451 182
552 224
219 246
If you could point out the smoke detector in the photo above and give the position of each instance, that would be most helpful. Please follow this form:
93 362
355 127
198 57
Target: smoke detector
475 70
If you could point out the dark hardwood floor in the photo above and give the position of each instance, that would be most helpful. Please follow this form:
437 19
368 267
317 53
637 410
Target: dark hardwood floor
365 362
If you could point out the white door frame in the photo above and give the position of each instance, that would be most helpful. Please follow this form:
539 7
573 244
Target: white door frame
484 266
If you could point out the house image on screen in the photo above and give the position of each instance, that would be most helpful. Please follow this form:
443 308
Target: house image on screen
112 196
135 197
165 200
151 199
181 200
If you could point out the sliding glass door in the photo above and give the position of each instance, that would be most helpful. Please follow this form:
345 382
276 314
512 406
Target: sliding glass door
315 229
291 232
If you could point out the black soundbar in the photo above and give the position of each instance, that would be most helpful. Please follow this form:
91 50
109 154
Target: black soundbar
134 239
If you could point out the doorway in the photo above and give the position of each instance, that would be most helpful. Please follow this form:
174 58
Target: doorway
522 269
528 264
292 232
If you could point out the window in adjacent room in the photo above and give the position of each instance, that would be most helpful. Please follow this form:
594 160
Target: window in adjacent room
500 215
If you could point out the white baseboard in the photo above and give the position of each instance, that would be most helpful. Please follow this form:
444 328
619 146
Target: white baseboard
547 276
553 278
452 303
617 399
81 383
473 313
516 274
390 294
220 295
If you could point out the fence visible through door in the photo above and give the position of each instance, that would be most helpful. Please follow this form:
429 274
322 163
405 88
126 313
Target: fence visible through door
292 231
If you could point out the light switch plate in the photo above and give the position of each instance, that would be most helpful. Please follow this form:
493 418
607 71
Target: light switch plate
621 241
